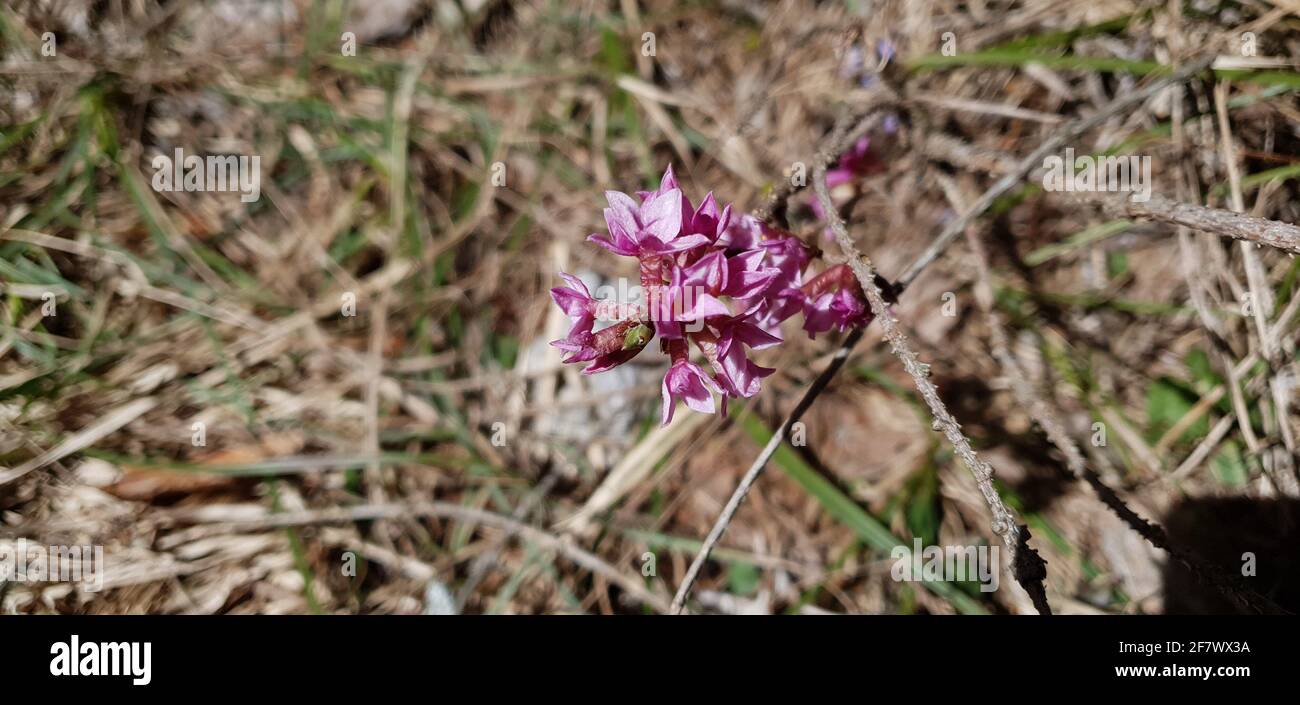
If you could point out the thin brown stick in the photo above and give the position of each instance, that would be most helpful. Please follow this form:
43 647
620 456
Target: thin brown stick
1216 221
1012 177
1029 568
756 469
1042 413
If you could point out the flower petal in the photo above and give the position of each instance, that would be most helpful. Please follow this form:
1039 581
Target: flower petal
666 414
661 215
613 245
622 210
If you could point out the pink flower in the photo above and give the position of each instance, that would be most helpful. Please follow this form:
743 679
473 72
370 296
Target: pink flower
782 297
706 220
840 309
687 381
737 373
609 361
790 256
739 276
578 345
743 233
834 299
667 183
720 284
777 307
681 302
607 348
853 163
576 302
652 228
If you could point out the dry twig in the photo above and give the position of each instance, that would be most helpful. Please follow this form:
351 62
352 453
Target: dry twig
1029 568
1263 231
1012 177
1042 413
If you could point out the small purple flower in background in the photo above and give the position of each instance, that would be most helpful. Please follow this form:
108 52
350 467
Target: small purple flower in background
715 283
854 65
853 164
890 124
854 62
885 50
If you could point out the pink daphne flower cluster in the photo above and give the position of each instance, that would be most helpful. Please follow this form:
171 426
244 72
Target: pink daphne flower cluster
718 282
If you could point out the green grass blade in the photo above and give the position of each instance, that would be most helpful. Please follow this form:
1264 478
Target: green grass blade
874 533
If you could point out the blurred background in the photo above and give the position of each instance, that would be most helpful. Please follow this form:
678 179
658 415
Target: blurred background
338 397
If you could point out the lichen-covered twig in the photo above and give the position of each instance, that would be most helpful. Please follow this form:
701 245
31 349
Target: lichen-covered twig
1042 413
838 144
1217 221
1029 569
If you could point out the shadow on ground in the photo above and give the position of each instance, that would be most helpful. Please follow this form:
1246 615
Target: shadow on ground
1227 532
